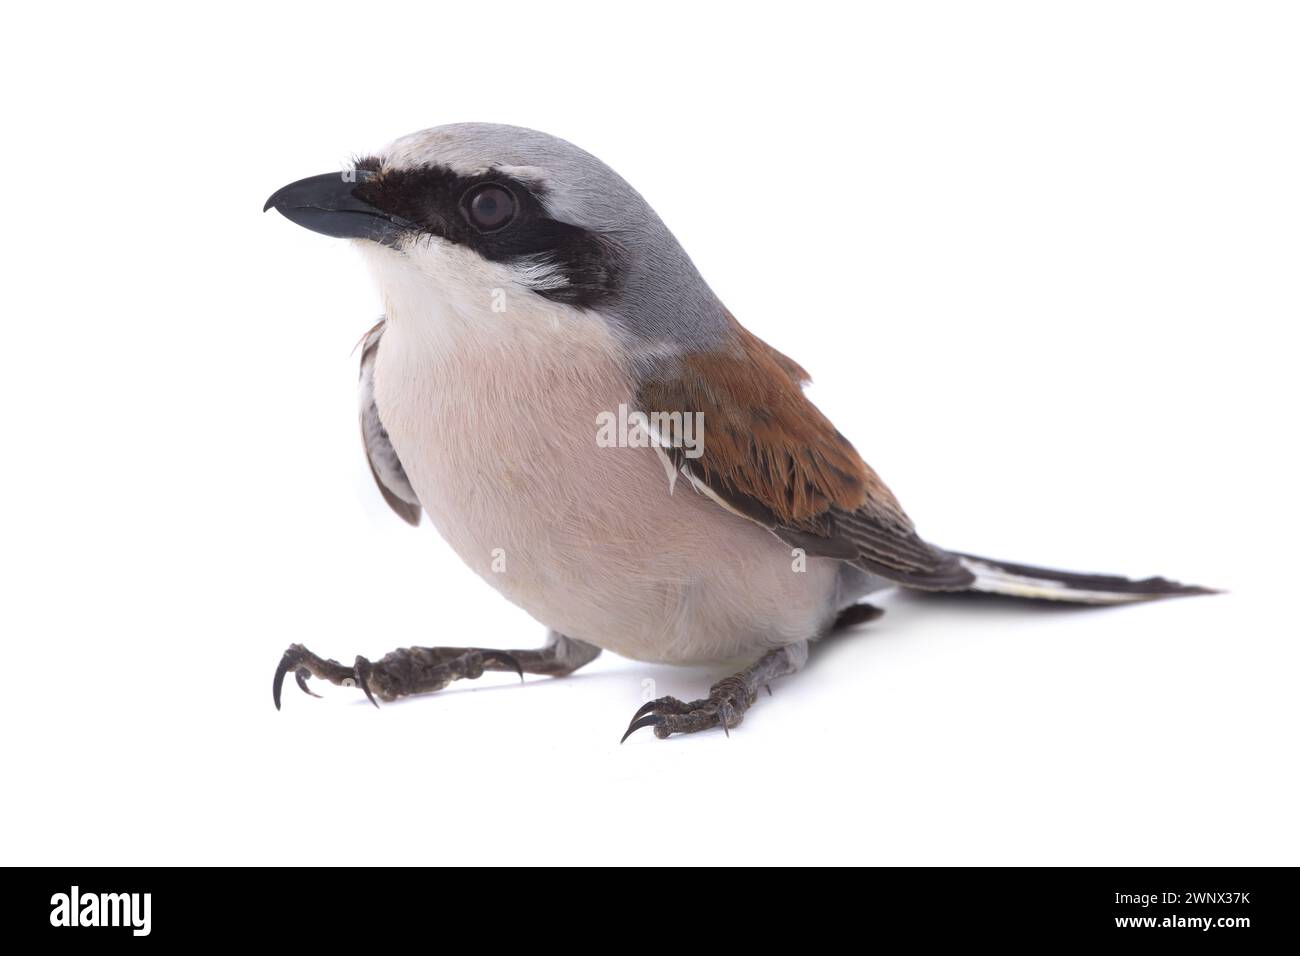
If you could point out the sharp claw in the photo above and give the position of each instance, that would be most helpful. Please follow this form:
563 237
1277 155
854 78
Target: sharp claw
505 658
302 674
650 720
361 669
278 681
644 709
768 688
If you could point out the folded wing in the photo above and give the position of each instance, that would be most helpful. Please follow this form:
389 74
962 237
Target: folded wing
768 454
385 466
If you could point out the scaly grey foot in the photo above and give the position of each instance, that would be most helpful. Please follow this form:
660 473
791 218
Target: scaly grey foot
728 699
423 670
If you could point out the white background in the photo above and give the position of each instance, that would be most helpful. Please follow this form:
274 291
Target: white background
1041 260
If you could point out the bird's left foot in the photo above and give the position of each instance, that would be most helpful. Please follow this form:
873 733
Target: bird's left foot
728 699
725 706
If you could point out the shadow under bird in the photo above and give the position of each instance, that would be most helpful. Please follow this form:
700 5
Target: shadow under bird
530 296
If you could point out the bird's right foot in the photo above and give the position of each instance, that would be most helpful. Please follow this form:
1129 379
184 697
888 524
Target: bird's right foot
422 670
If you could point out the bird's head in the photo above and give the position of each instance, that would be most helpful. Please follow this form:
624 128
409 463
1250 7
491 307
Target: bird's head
466 214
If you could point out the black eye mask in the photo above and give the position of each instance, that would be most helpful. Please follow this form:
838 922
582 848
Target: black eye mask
500 218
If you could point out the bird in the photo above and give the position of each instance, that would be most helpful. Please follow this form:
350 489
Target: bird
554 384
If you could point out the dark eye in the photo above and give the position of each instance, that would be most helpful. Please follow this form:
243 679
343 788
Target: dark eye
489 207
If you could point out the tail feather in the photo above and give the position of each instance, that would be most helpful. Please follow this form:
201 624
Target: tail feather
1046 584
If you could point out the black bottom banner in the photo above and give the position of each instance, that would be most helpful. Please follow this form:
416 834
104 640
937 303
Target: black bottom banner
663 908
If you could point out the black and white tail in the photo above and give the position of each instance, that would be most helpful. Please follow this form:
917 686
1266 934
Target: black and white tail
1027 581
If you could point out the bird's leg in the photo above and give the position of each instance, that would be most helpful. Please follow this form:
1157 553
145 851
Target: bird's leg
728 699
856 614
422 670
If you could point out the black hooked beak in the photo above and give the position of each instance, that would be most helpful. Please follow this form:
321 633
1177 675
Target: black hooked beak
327 204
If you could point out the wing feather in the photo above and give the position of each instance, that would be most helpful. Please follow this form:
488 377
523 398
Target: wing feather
385 466
769 454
